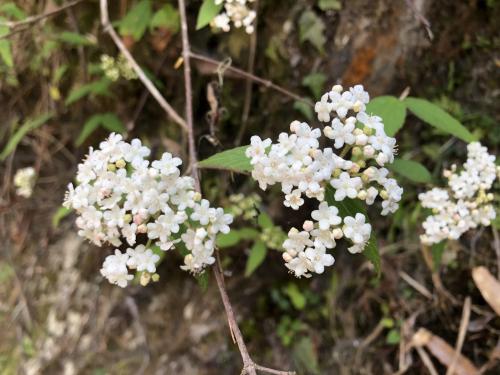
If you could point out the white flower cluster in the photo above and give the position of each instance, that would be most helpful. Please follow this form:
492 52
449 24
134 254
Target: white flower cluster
120 194
303 167
237 12
114 69
24 181
467 203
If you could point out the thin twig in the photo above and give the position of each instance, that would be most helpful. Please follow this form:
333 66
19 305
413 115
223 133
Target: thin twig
427 361
420 18
193 159
464 323
32 19
416 285
248 84
260 81
140 73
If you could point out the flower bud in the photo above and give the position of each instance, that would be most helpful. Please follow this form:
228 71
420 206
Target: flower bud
111 167
367 130
337 172
145 278
337 233
361 163
127 218
287 257
138 219
196 196
328 131
142 228
337 88
356 151
308 225
120 163
294 126
357 106
362 194
361 139
155 277
368 151
384 195
354 169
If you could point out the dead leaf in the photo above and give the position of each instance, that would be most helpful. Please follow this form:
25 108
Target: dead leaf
443 352
489 287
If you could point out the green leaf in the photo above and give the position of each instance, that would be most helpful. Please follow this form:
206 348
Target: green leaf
96 88
265 221
437 251
228 239
108 121
329 5
312 30
315 83
60 214
112 123
249 233
12 10
232 160
202 280
257 255
21 132
393 337
305 109
305 357
298 299
391 109
136 20
412 170
207 13
166 17
75 39
6 53
436 117
350 207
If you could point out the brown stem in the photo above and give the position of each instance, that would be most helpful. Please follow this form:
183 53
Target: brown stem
137 69
248 84
254 78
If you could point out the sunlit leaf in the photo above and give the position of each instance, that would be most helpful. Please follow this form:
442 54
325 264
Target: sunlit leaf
439 119
166 17
207 13
232 160
76 39
136 20
391 109
228 239
96 88
296 296
60 214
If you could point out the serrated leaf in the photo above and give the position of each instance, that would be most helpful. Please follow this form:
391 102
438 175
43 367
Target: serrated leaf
312 29
6 53
350 207
315 83
166 17
439 119
228 239
60 214
412 170
232 160
75 39
136 20
207 13
96 88
28 126
391 109
257 255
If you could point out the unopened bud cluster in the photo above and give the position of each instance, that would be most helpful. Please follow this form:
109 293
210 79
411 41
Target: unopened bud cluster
236 12
244 206
468 200
303 167
121 195
115 68
24 181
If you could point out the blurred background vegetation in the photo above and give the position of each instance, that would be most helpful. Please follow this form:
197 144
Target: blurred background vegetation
64 87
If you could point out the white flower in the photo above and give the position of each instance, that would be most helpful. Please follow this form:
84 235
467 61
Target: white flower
323 109
318 258
340 133
142 259
294 199
220 221
202 212
300 265
356 229
257 148
115 269
24 181
345 186
326 216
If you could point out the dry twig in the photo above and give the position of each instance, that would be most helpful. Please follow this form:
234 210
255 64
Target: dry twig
464 323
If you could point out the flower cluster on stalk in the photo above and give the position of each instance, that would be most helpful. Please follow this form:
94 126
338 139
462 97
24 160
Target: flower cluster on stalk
306 163
467 202
122 197
236 12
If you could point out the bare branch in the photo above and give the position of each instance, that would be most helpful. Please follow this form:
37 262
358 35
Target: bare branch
140 73
260 81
